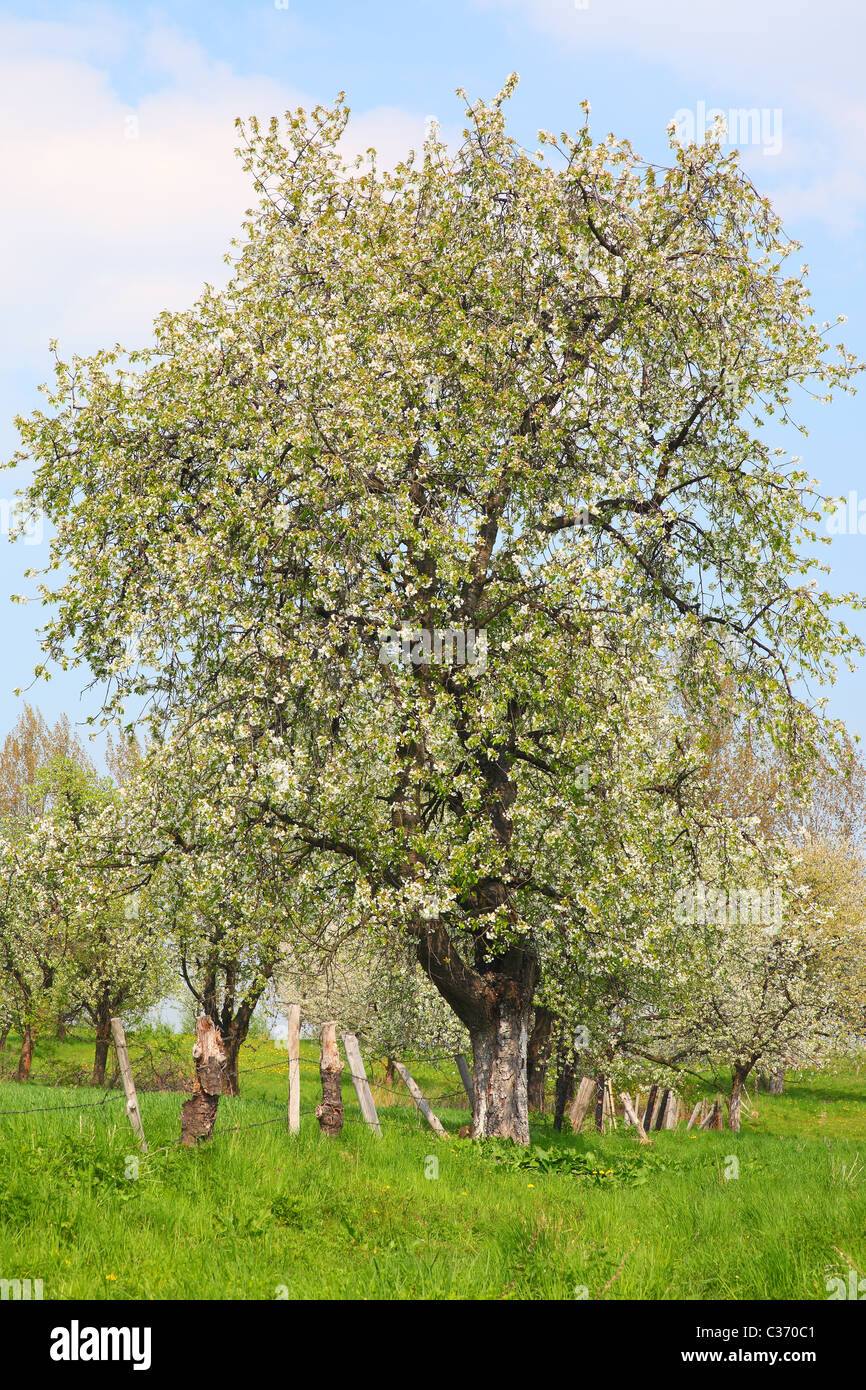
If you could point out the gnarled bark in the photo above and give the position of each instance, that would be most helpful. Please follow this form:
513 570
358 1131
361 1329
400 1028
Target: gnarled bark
538 1057
25 1058
330 1112
103 1039
198 1114
564 1094
494 1000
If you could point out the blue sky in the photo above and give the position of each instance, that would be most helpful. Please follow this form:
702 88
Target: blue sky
122 192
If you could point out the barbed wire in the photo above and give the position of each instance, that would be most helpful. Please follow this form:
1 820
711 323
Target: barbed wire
390 1091
43 1109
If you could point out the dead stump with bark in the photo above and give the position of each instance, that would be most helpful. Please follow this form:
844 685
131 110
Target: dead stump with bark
330 1112
198 1114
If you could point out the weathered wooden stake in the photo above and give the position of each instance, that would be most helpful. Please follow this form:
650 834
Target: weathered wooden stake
672 1114
132 1109
695 1113
330 1112
608 1090
581 1103
435 1124
713 1118
466 1078
632 1117
661 1117
360 1082
650 1108
294 1115
600 1098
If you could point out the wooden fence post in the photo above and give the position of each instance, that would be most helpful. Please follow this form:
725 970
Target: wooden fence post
650 1108
695 1113
600 1098
330 1112
632 1116
466 1078
294 1115
608 1090
581 1103
713 1118
661 1117
435 1124
360 1082
132 1109
672 1114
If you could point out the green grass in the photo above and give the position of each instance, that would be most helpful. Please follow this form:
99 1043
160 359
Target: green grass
256 1213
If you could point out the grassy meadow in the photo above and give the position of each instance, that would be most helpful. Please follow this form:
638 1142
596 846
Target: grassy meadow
771 1213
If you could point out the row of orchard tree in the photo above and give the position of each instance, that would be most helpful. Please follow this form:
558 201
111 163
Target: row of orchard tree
112 901
111 906
519 394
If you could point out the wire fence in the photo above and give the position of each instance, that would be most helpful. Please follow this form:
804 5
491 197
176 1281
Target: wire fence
387 1092
45 1109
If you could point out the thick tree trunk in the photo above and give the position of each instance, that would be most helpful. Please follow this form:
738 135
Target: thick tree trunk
736 1100
100 1059
198 1114
232 1048
390 1072
4 1034
499 1073
103 1042
538 1056
25 1059
494 1001
564 1094
774 1084
330 1112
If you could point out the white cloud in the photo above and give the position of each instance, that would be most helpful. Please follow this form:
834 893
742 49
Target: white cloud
120 211
779 42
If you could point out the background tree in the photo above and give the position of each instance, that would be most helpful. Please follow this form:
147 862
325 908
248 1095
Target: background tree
73 942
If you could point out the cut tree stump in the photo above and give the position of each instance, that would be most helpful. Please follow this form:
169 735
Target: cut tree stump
198 1114
330 1112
